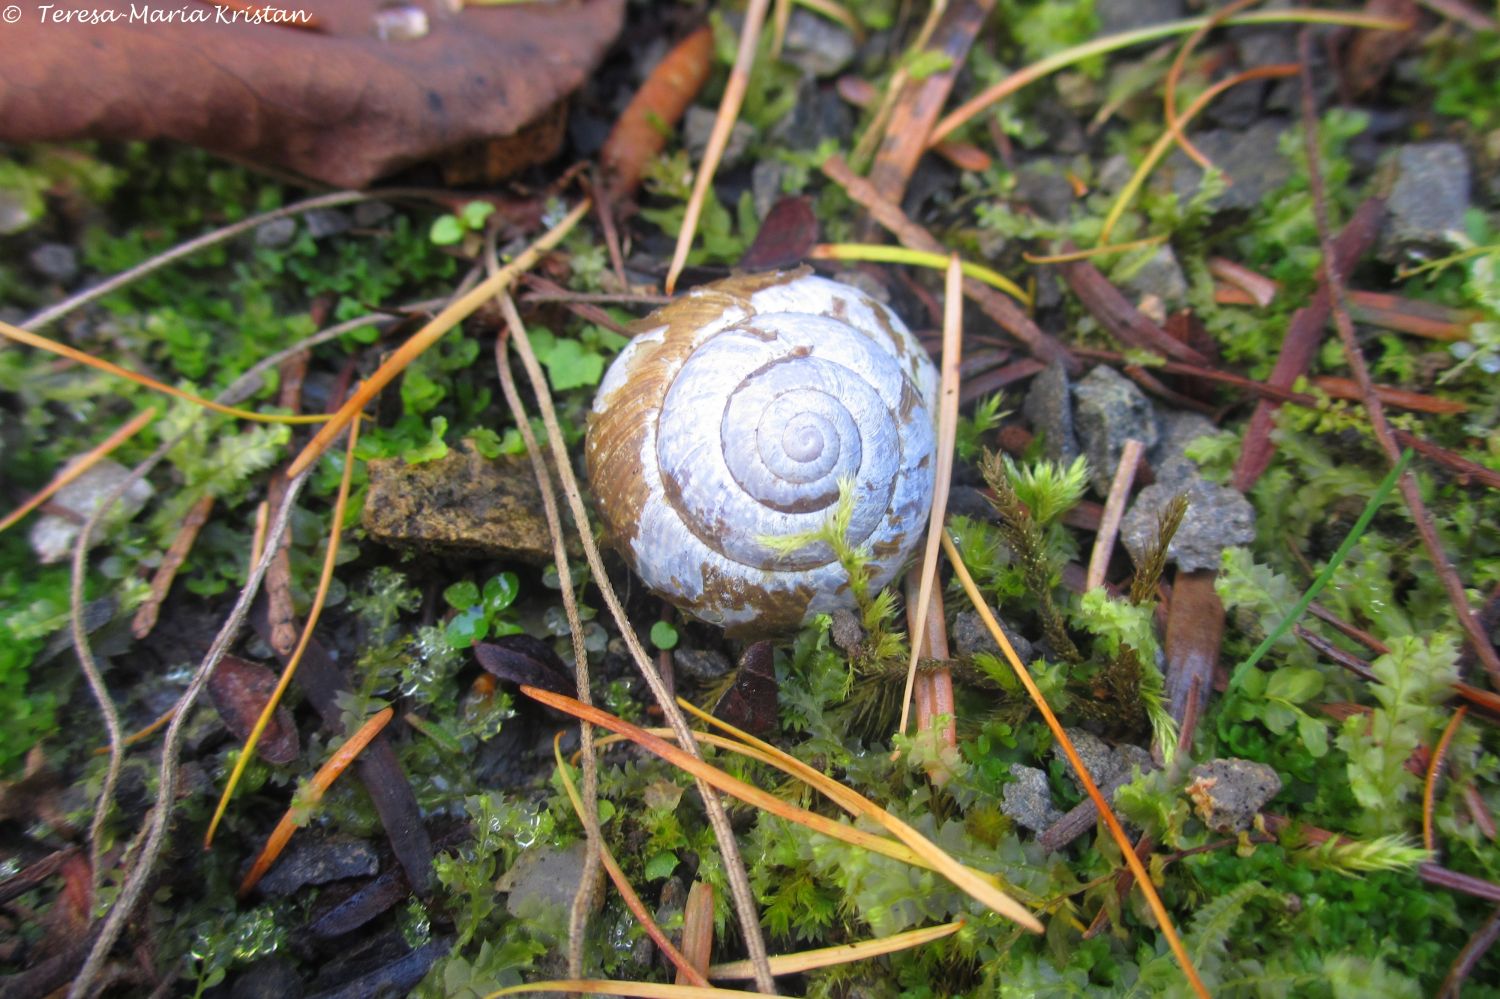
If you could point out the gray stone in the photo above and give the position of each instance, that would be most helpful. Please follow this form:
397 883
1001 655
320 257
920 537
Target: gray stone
316 862
1122 15
971 636
275 233
1251 158
816 45
55 262
819 113
1049 409
1178 428
1227 794
1108 410
1045 190
1131 757
1427 201
543 877
322 222
846 630
370 213
765 185
1028 800
698 125
1217 517
52 536
462 503
1115 173
1102 763
701 665
1160 277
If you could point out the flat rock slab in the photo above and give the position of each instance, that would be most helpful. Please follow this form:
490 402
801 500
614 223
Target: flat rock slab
1229 793
463 503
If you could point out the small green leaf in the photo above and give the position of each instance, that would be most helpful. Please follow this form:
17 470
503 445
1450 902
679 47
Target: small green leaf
570 366
663 635
433 448
461 596
467 627
1296 684
500 592
446 230
486 442
476 212
661 865
1314 735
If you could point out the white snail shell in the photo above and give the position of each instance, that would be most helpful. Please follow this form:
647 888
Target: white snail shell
732 419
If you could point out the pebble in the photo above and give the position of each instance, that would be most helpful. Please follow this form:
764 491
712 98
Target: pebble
1159 277
1427 201
1252 159
1228 794
543 877
1108 410
698 125
971 636
816 45
1098 758
52 536
1217 517
1049 409
55 262
701 665
276 233
1027 800
462 503
1178 428
322 222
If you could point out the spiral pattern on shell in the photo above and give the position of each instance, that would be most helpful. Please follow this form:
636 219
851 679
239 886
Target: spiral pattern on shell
733 419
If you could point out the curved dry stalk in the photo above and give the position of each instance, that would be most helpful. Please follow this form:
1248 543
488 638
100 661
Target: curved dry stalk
588 813
718 139
153 833
54 312
734 865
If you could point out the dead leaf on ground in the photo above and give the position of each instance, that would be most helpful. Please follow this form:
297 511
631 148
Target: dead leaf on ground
240 690
339 105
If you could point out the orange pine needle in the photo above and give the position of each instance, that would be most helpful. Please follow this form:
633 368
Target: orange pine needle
324 580
1174 76
81 464
1127 849
316 788
1429 787
971 882
72 353
425 337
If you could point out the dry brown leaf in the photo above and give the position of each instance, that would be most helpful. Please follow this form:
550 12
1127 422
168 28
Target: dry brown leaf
339 105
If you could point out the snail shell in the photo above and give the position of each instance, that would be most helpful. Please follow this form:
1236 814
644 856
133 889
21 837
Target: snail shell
733 417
